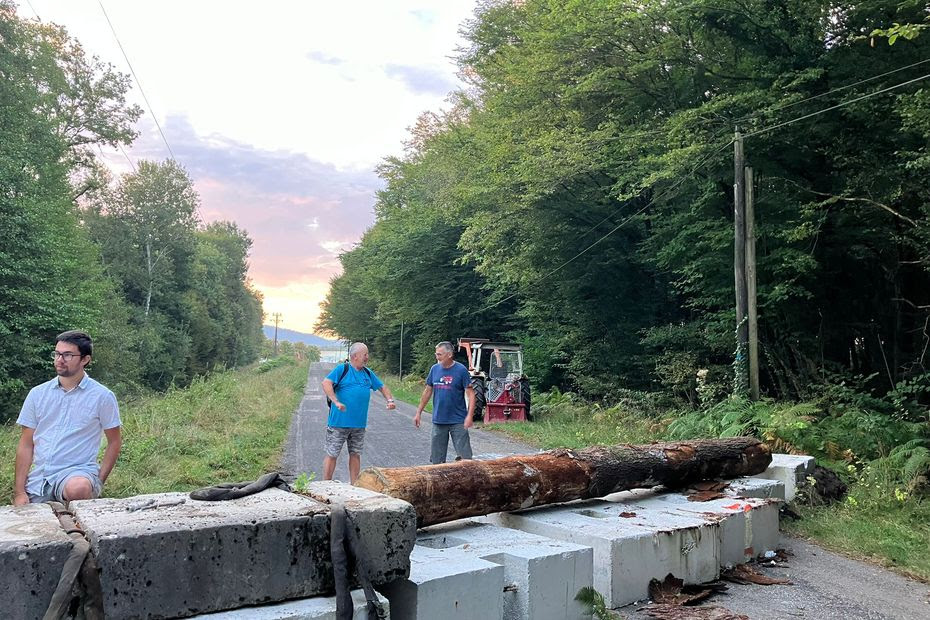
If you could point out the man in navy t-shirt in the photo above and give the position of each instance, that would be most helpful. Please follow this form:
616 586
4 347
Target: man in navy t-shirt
349 386
448 382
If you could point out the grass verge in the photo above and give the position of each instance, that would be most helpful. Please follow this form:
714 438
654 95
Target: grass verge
227 427
873 526
406 389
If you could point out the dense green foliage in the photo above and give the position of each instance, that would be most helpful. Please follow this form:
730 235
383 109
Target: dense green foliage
165 298
578 197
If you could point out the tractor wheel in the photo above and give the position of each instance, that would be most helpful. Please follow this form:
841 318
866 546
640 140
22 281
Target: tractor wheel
481 397
525 396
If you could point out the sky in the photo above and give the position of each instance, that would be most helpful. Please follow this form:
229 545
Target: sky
280 111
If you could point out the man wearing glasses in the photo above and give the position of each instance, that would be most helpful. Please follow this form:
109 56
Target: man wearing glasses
62 421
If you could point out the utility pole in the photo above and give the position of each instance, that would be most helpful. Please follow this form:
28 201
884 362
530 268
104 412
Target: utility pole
751 286
277 318
740 382
400 364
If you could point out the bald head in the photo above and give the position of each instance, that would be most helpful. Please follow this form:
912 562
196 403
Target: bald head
358 354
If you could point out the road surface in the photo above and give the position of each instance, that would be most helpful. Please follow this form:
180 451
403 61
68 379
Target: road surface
390 441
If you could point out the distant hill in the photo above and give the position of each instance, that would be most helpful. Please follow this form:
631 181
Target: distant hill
290 335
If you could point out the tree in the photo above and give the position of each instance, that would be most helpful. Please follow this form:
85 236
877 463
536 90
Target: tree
55 105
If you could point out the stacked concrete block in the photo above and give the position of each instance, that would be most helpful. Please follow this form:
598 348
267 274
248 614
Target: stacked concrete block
451 586
632 544
178 560
542 575
33 549
317 608
761 488
747 527
792 470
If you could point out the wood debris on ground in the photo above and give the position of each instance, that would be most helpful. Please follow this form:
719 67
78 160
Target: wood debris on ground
677 612
746 574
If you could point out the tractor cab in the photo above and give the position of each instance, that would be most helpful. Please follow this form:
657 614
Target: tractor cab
502 391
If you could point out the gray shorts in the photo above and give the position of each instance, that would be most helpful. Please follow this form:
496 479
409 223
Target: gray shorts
53 489
335 437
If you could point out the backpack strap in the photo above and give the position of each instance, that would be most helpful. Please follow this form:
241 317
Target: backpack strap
342 375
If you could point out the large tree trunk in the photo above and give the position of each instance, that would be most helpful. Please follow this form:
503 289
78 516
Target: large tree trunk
450 491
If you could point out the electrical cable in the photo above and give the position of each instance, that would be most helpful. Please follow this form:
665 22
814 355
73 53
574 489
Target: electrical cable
614 229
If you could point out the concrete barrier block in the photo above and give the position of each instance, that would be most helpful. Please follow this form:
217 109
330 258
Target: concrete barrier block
33 549
386 527
198 557
792 470
762 488
632 544
447 584
747 527
542 575
317 608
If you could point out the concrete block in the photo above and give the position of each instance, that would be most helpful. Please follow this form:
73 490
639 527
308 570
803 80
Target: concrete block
33 549
632 544
317 608
542 575
747 527
386 527
198 557
447 584
761 488
792 470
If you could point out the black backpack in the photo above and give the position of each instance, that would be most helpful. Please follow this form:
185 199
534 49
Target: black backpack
342 375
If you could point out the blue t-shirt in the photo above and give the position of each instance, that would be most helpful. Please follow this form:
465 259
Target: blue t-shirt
353 390
449 406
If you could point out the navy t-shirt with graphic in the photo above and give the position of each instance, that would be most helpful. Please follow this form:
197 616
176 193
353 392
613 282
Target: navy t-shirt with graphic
449 406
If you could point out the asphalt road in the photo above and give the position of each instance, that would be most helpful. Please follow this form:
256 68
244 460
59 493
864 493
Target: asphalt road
826 586
390 441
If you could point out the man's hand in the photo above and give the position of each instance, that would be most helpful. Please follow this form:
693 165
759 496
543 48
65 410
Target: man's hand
339 406
20 499
469 422
416 419
390 404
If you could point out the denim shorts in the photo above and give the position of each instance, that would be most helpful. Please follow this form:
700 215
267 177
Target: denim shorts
335 437
54 487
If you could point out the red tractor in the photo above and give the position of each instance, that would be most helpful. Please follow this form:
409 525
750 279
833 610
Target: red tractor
502 391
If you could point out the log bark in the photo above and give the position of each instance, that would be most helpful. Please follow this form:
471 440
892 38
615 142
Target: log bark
450 491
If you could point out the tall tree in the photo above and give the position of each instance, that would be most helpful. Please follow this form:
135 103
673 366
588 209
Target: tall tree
55 104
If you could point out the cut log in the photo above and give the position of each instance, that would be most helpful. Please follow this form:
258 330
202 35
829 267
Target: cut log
450 491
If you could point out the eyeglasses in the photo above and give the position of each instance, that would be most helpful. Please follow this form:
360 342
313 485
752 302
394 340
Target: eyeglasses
67 356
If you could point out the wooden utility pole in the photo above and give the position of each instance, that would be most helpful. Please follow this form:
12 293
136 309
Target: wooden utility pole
277 318
400 363
740 382
467 488
751 286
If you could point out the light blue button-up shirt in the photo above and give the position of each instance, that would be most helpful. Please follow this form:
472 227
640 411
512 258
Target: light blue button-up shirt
68 428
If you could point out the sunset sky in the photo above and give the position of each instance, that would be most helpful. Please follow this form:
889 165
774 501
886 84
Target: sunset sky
279 111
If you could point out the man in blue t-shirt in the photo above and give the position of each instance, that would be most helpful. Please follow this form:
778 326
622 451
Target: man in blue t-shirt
349 386
448 382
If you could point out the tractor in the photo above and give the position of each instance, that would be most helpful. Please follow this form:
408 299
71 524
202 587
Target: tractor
502 391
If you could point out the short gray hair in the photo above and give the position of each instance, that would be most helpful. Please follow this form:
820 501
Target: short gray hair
445 344
356 347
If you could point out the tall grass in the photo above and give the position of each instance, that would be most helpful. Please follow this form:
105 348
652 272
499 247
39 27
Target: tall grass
229 426
407 389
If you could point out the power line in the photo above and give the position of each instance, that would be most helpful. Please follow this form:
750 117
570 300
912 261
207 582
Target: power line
834 107
34 10
138 81
830 92
614 229
693 170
